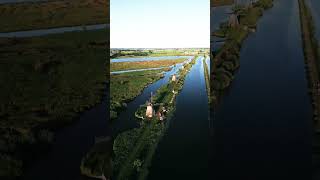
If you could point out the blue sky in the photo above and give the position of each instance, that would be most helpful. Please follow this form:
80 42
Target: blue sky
159 23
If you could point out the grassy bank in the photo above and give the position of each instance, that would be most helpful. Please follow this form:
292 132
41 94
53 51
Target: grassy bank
120 66
207 78
46 81
125 87
226 60
97 162
134 149
311 53
26 16
312 60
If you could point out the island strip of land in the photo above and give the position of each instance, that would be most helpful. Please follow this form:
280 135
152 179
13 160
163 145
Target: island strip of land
226 61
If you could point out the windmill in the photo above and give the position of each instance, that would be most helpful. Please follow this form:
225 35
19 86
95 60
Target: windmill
233 19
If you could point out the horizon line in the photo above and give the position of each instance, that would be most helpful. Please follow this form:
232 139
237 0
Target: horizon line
162 48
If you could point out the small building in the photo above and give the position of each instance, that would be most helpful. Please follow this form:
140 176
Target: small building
174 78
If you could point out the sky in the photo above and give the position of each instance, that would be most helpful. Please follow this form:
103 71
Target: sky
160 23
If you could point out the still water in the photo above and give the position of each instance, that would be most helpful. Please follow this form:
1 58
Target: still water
262 128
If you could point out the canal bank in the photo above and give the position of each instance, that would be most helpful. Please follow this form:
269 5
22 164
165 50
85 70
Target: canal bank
310 44
262 127
183 151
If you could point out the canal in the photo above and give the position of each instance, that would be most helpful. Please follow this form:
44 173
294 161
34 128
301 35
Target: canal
183 151
262 127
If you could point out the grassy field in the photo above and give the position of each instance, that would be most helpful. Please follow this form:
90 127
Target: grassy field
216 3
124 87
226 60
159 52
46 81
25 16
119 66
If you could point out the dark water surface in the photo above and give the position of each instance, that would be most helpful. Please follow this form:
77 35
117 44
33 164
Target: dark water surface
183 151
262 128
63 160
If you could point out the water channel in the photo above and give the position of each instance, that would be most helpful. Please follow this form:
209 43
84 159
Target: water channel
262 127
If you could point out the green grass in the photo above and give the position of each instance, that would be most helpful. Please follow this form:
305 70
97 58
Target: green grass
26 16
46 81
120 66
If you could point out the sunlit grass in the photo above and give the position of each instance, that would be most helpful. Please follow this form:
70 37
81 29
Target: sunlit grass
25 16
120 66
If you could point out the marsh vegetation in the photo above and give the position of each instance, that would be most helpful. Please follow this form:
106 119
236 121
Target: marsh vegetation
41 15
47 82
119 66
